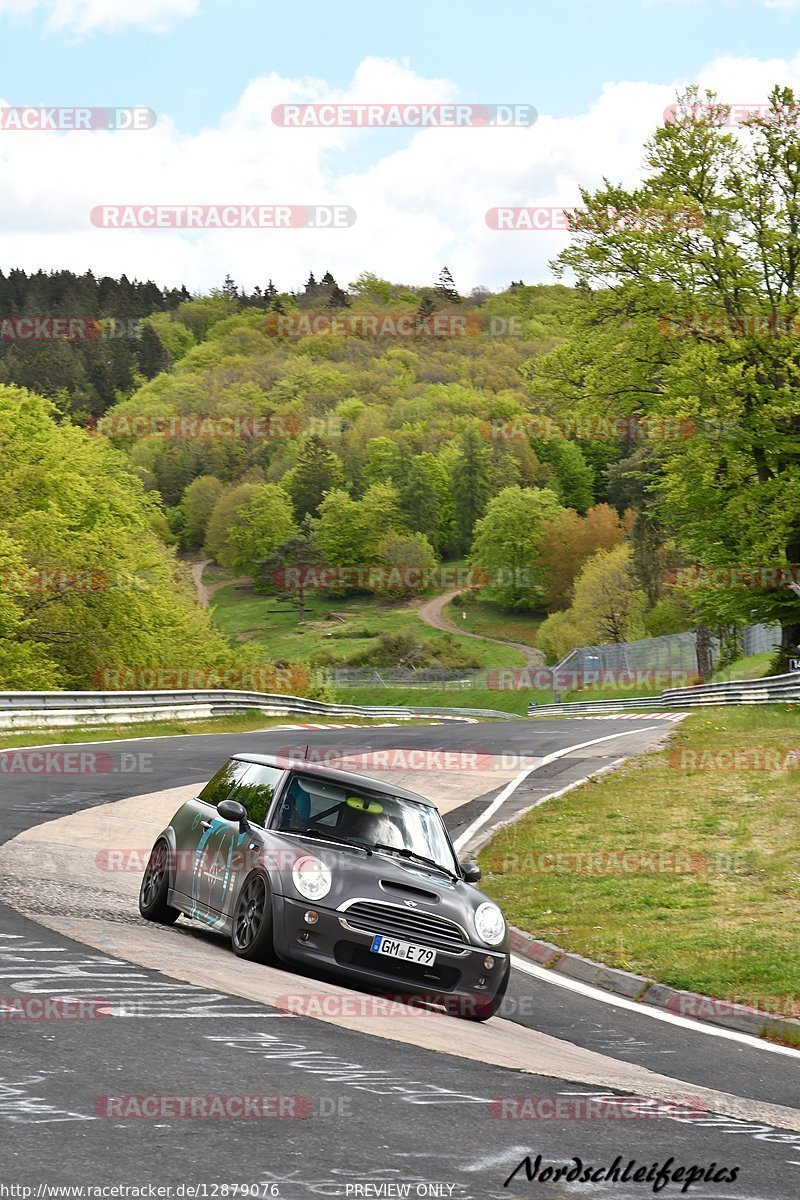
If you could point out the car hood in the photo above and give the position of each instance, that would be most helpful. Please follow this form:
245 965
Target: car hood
382 877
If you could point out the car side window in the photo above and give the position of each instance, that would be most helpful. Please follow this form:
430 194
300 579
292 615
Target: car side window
256 791
221 786
301 806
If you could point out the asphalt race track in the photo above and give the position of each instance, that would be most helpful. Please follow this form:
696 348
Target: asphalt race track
295 1107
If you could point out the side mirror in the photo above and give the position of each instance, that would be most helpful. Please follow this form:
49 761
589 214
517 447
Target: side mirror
233 811
470 872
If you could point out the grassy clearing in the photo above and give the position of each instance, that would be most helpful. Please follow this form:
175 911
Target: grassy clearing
726 927
753 667
340 629
490 621
239 723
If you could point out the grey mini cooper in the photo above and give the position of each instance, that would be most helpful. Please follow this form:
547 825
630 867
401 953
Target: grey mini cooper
337 872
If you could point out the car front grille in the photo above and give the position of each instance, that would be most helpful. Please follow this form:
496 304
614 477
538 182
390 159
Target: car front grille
411 925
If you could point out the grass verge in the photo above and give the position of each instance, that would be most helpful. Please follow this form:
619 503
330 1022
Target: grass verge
725 927
514 702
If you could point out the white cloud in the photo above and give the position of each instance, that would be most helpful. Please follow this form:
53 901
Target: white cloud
421 199
85 16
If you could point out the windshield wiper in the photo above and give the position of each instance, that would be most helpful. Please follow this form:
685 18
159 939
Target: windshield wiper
326 837
405 853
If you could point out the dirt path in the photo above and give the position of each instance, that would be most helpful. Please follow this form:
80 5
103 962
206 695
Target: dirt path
431 614
206 591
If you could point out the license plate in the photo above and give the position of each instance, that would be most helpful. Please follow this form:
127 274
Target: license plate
404 950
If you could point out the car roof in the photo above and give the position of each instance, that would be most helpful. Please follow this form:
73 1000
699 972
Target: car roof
349 778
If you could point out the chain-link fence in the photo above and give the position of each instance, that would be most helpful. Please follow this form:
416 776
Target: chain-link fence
674 660
760 639
674 653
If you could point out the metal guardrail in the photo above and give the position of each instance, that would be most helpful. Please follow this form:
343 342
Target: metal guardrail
24 710
773 689
31 709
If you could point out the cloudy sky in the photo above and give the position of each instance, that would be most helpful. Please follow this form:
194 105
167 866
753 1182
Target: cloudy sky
600 73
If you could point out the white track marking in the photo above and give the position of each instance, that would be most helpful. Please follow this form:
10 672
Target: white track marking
645 1010
511 787
575 784
173 737
655 716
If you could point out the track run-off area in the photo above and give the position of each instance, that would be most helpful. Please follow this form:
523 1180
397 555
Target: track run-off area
194 1069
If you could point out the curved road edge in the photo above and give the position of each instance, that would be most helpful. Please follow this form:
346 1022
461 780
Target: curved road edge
61 852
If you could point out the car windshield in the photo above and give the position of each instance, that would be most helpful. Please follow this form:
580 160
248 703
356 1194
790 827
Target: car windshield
364 818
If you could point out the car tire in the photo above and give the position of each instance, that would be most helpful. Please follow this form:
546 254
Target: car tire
482 1010
251 926
155 887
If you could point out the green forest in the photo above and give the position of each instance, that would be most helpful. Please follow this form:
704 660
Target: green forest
573 444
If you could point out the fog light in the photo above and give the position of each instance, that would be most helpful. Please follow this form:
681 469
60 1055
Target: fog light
311 917
488 962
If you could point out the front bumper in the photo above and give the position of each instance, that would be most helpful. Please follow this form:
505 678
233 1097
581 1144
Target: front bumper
334 946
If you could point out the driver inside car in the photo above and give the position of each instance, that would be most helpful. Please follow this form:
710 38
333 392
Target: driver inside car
364 821
352 817
295 812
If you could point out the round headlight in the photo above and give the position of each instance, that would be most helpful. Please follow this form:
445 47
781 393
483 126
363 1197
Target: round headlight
490 924
311 878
